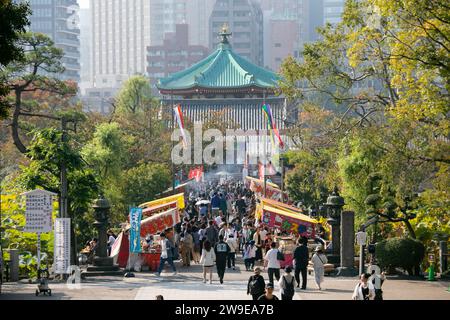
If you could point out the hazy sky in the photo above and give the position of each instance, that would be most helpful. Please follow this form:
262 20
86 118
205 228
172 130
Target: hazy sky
83 3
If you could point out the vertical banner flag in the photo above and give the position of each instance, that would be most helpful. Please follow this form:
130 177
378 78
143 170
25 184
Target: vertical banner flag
179 117
61 248
135 230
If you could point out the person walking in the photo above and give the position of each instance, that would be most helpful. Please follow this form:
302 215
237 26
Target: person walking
256 285
187 245
377 281
364 290
319 260
272 263
258 243
301 258
211 233
287 285
268 296
221 250
111 239
232 243
207 260
215 204
166 254
249 255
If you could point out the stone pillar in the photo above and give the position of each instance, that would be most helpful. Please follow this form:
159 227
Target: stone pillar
14 269
347 250
443 251
334 255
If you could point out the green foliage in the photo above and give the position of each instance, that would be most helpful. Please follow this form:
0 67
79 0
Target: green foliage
135 95
406 253
144 182
13 20
13 222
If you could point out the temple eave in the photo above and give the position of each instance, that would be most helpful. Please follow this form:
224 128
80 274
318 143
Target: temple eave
203 90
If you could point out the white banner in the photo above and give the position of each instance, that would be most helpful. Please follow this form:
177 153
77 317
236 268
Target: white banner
62 246
38 213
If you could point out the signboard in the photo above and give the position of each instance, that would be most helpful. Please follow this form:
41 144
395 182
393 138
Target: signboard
160 222
431 257
62 246
135 222
38 213
361 238
288 223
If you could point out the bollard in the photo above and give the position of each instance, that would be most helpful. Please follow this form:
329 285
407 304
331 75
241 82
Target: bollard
431 275
443 252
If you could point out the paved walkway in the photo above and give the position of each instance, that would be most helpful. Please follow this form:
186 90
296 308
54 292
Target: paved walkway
188 285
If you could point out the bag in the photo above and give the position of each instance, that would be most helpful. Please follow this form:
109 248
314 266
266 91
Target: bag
280 256
254 286
289 287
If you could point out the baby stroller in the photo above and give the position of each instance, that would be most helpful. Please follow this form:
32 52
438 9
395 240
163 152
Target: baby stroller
43 276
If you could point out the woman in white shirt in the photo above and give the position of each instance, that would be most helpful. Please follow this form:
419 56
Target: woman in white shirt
319 260
364 290
207 260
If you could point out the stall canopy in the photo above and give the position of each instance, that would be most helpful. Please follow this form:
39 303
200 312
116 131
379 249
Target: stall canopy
278 215
249 180
280 205
179 198
150 211
159 222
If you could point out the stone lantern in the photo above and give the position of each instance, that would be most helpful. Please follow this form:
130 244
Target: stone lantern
334 206
102 264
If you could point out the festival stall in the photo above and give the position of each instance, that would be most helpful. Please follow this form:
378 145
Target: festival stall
272 190
179 198
289 221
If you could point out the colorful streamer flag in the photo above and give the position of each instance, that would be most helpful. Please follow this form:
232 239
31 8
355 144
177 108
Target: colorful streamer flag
135 230
272 126
179 117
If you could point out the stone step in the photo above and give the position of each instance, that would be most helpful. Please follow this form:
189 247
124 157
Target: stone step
104 268
87 274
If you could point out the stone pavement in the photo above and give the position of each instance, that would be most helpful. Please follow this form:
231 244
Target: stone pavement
188 285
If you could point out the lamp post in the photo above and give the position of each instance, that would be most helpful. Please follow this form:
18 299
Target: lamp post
334 206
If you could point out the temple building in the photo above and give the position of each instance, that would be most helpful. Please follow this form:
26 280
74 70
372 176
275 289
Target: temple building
230 86
226 82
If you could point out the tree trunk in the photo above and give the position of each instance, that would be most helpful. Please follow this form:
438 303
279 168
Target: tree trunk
15 123
410 229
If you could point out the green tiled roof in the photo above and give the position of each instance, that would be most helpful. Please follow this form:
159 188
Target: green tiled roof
223 69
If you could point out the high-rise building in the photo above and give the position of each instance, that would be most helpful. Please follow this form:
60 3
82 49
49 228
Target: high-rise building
174 55
289 24
85 49
198 13
332 11
165 14
120 36
59 20
245 20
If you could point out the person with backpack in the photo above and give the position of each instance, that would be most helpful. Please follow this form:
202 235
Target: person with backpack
249 255
221 249
166 254
272 262
256 284
287 283
319 260
207 260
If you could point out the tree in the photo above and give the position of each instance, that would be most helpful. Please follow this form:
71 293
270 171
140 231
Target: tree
13 20
34 73
135 95
144 182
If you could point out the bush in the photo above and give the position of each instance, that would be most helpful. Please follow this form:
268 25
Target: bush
406 253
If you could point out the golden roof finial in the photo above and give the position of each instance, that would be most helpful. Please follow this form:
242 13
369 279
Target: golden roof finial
224 33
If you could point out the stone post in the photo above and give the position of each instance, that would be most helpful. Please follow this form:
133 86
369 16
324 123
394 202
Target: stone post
14 269
347 249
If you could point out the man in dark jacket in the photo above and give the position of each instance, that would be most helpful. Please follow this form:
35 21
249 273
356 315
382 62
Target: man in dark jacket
211 233
301 257
221 249
256 285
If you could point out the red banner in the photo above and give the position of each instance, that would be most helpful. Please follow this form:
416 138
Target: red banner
196 174
288 224
160 222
